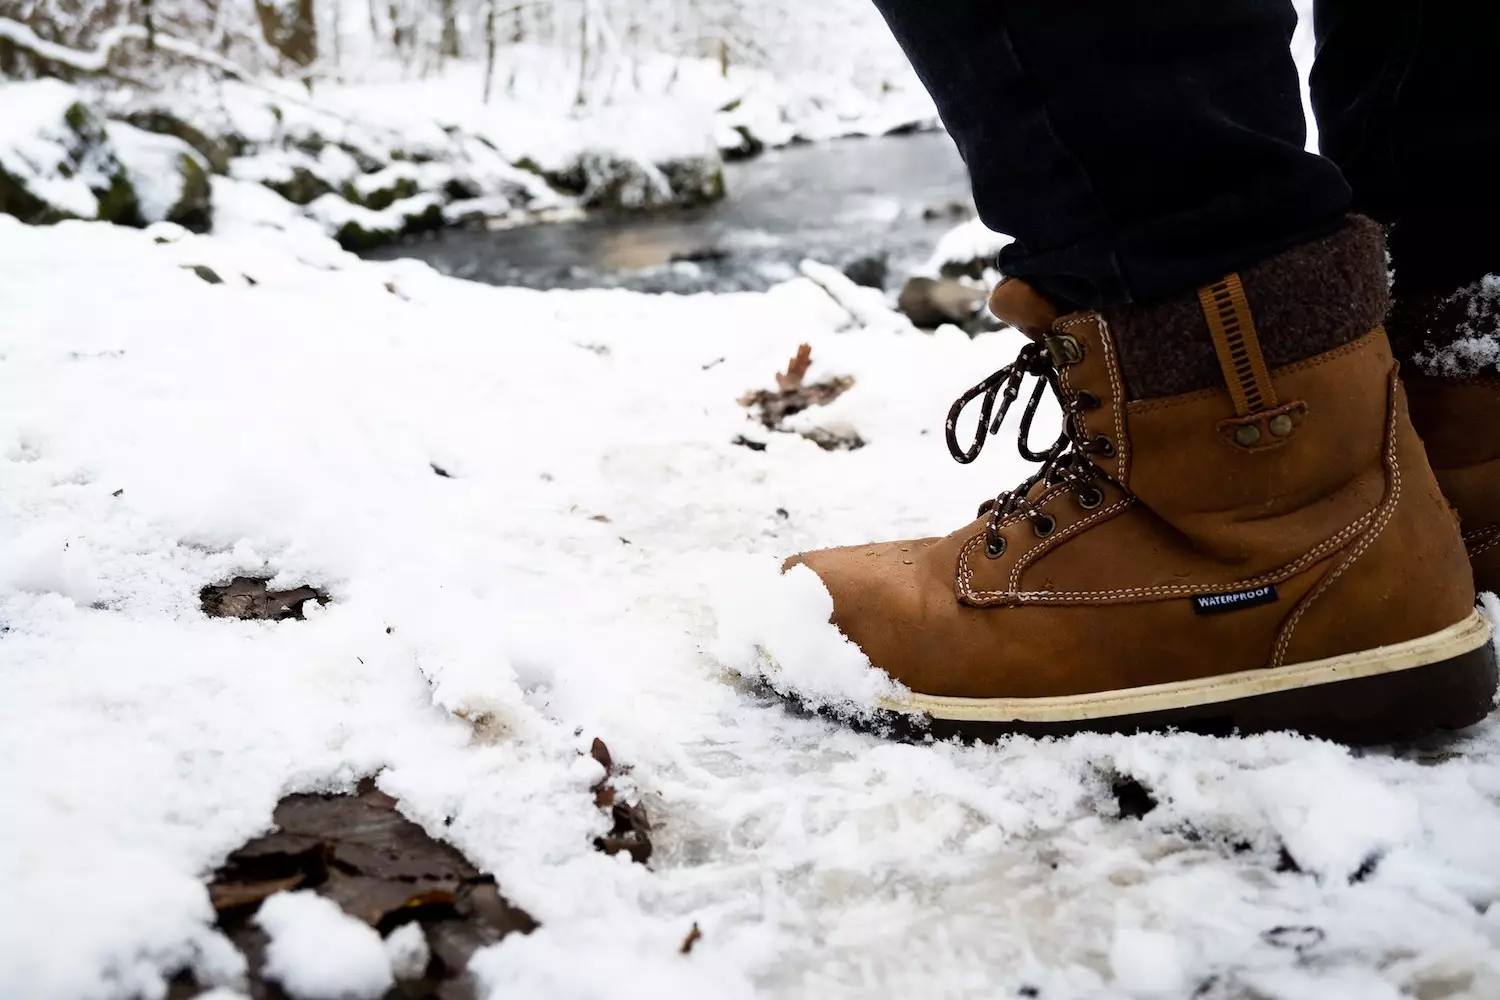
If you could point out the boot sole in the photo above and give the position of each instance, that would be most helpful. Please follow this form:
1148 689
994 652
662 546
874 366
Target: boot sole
1445 680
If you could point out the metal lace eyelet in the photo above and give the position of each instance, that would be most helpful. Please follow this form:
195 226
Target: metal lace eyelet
995 547
1086 400
1104 446
1064 349
1043 525
1091 499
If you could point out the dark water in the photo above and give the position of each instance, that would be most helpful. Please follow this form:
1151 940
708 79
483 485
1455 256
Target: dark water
835 202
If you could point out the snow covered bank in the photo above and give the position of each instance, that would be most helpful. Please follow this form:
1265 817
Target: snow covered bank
371 162
566 579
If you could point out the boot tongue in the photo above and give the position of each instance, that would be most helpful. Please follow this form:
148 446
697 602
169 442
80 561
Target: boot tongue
1015 302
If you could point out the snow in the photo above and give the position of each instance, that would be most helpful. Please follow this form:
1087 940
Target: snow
248 211
600 561
1475 345
407 950
866 306
775 627
665 109
318 952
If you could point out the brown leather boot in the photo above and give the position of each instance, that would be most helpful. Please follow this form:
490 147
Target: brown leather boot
1455 418
1455 415
1268 553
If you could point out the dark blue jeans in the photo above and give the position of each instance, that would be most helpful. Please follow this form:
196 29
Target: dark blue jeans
1140 148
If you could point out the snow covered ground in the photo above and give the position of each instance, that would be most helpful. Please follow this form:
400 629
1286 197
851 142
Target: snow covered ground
565 580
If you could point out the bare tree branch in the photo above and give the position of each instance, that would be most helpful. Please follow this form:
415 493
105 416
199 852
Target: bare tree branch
97 60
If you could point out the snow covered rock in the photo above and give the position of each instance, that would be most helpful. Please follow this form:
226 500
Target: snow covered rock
215 150
968 250
171 179
56 158
609 179
292 174
360 228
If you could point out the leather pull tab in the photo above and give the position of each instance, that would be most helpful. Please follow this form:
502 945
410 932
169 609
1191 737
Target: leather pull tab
1235 342
1015 302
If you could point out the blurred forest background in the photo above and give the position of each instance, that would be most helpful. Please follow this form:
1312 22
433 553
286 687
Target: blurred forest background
312 41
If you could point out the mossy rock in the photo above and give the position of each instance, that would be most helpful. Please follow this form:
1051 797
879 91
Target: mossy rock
195 209
303 188
118 203
16 200
218 152
429 219
750 145
697 181
399 189
367 162
354 237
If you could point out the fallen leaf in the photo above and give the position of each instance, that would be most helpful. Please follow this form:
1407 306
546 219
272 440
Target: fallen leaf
796 369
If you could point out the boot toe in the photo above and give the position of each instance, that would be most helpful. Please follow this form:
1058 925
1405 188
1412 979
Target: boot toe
881 596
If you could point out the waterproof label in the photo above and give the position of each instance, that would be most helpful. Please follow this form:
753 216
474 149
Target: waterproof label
1212 604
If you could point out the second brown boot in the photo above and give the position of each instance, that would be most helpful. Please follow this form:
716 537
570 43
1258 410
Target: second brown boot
1270 552
1455 406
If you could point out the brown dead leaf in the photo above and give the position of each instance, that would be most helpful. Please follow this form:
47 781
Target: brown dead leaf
796 369
632 827
693 937
600 752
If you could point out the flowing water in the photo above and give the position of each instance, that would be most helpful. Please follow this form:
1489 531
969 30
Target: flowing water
887 198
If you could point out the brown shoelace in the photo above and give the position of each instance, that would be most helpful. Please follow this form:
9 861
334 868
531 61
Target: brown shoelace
1064 461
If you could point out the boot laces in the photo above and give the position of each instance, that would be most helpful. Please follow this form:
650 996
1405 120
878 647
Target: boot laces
1064 461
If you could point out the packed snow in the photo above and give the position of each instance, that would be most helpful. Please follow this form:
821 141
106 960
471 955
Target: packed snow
318 952
598 559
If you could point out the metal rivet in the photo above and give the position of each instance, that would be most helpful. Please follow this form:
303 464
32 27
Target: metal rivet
1104 446
1091 499
1043 525
995 549
1281 425
1247 434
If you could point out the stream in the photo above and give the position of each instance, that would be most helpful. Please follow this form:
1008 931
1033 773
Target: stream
838 202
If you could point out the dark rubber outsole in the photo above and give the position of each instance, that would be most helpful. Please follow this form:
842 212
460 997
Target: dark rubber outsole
1395 707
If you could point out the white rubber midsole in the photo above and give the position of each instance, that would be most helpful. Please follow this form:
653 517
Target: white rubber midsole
1455 640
